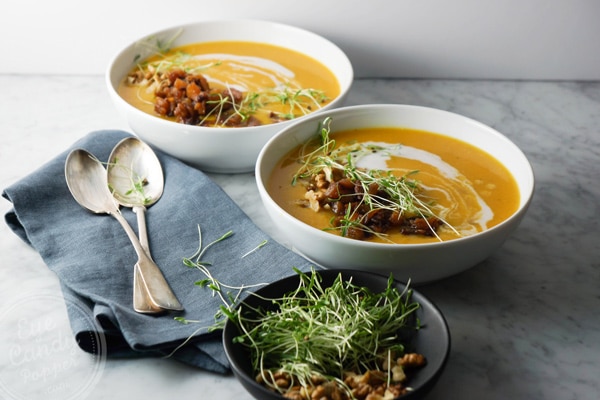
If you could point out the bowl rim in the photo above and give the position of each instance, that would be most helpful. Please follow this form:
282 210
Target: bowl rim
345 86
517 214
433 313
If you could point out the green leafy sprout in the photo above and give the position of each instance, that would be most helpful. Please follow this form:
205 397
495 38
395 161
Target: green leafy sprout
401 193
156 45
228 294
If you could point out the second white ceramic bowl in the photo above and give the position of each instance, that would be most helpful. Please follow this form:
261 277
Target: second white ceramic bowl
418 262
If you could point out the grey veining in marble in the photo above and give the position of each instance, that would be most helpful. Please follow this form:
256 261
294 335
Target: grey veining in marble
524 323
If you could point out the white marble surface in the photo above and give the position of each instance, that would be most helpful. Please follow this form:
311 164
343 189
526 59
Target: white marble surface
524 323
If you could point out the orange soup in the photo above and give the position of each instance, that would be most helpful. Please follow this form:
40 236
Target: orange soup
229 84
461 190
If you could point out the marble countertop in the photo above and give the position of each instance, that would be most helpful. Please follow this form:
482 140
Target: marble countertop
524 323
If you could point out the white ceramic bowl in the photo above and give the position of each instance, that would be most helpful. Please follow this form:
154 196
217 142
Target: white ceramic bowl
223 150
419 262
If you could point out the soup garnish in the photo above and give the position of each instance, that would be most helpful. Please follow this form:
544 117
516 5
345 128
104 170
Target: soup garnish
429 188
229 84
365 202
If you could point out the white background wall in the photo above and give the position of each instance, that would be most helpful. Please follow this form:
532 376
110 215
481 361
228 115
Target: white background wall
491 39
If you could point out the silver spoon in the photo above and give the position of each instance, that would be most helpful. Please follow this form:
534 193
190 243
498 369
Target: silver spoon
87 181
136 180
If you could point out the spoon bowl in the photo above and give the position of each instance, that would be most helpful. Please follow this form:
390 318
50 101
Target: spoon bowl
136 180
87 181
134 174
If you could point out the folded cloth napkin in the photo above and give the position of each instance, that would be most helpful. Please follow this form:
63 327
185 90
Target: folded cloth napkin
94 259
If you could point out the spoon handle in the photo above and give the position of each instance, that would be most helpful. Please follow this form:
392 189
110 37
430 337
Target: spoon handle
142 302
158 288
140 212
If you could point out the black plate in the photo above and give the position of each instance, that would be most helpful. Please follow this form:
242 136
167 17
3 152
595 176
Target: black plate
432 340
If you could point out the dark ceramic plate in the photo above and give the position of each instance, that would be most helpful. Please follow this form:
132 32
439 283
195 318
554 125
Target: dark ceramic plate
432 340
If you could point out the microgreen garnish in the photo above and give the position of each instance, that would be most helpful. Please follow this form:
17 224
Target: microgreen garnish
158 45
326 331
299 101
229 300
189 261
184 321
223 291
261 244
397 193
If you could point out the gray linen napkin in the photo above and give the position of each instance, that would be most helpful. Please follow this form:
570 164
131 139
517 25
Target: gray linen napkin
94 259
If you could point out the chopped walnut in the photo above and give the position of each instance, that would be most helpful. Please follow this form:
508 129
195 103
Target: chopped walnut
412 360
321 181
314 200
327 391
398 374
370 385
